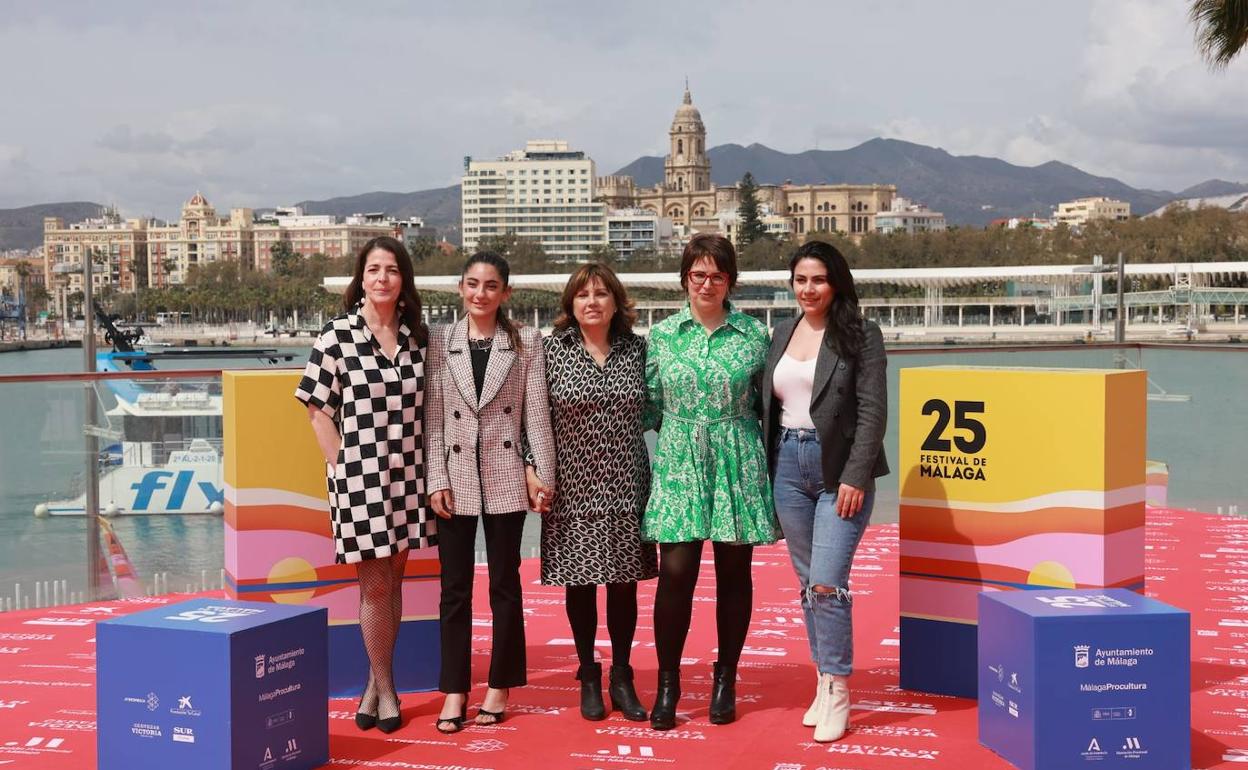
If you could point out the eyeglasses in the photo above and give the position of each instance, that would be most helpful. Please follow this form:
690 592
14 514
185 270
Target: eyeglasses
717 279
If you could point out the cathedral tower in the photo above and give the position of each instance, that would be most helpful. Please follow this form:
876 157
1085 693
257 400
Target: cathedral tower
686 168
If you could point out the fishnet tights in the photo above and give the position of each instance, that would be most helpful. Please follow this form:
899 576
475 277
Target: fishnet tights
381 612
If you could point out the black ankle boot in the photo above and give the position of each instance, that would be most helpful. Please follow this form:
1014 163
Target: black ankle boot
724 695
592 707
624 696
663 716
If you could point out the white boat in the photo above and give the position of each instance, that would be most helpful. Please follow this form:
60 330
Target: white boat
162 439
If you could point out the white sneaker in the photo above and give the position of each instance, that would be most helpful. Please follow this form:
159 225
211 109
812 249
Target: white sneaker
811 717
833 717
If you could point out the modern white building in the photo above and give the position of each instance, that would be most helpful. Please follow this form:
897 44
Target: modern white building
631 229
544 192
907 217
1080 211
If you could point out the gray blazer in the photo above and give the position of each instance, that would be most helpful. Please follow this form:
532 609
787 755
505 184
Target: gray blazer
457 429
849 406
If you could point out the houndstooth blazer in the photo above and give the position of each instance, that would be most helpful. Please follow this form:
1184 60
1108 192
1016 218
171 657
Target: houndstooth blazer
514 405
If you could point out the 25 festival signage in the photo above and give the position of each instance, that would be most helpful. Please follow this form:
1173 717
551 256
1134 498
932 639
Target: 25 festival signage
1011 478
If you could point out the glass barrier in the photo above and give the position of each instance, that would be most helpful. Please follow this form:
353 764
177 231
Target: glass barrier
160 470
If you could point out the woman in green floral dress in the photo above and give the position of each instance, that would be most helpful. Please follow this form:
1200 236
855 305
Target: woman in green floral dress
710 470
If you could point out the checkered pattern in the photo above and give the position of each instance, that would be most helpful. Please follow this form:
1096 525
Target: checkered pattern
377 487
514 407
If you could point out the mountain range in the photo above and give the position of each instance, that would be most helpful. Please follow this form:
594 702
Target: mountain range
968 189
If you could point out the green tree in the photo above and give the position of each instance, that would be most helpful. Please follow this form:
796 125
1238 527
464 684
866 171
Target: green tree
1221 29
604 253
283 258
751 227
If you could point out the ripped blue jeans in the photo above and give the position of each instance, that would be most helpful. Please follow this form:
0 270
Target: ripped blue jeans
821 545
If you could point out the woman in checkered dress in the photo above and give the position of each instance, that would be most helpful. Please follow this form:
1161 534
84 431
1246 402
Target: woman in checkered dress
364 388
487 395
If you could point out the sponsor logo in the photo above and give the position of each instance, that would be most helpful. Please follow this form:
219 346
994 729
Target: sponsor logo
1114 712
49 621
97 610
1081 655
12 650
287 690
999 670
27 637
624 751
292 749
152 701
998 699
278 719
1235 755
1132 748
1013 685
183 735
1075 602
867 750
214 614
268 761
1013 709
1112 686
483 745
284 661
260 667
185 708
1094 752
145 730
70 725
12 704
896 707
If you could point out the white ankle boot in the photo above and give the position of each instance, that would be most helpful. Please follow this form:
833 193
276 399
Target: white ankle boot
811 717
833 712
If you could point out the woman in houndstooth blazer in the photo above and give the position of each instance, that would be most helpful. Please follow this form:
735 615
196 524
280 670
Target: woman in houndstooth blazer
486 395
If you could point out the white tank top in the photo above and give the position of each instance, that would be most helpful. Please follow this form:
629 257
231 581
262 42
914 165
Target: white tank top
793 381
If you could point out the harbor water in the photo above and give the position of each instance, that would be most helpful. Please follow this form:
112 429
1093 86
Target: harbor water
1197 422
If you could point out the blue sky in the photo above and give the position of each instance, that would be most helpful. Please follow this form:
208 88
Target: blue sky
142 103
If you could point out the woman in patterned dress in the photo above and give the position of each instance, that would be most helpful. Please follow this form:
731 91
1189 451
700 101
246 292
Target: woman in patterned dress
591 532
364 388
487 395
710 470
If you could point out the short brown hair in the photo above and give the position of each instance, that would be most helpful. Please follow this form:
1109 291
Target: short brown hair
718 248
625 314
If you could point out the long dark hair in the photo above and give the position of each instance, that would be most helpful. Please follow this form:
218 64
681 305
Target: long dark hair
625 312
409 298
499 263
844 316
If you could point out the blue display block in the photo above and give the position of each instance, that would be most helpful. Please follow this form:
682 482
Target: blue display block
213 684
1079 678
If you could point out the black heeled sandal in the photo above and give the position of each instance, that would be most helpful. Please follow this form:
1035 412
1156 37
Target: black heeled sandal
455 723
494 717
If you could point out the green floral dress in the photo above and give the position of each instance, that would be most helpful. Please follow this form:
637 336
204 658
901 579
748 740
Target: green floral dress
710 471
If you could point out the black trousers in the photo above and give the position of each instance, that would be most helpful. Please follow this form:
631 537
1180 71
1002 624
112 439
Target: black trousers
457 537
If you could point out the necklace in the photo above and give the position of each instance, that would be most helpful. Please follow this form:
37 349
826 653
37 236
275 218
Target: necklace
482 344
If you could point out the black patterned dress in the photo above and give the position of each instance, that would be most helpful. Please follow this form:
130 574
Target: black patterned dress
592 535
377 486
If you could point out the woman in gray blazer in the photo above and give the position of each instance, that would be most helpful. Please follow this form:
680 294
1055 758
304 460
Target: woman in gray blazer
825 403
486 392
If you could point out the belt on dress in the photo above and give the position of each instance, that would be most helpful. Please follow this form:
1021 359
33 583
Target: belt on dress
700 425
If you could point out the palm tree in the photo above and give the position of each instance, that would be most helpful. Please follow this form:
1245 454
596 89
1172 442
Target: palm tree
1221 29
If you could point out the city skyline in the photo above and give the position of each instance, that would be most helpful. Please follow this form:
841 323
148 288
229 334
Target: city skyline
270 105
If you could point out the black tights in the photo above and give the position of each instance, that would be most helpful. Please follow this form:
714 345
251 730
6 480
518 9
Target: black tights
673 603
582 605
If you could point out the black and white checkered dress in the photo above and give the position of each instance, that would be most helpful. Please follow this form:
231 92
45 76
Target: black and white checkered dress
377 486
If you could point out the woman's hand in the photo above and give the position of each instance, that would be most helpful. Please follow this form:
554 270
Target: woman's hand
848 501
443 503
540 496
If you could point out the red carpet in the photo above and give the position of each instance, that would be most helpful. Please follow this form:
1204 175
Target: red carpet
1196 561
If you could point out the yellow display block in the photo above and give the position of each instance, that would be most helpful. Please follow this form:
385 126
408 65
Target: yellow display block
1012 478
279 545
